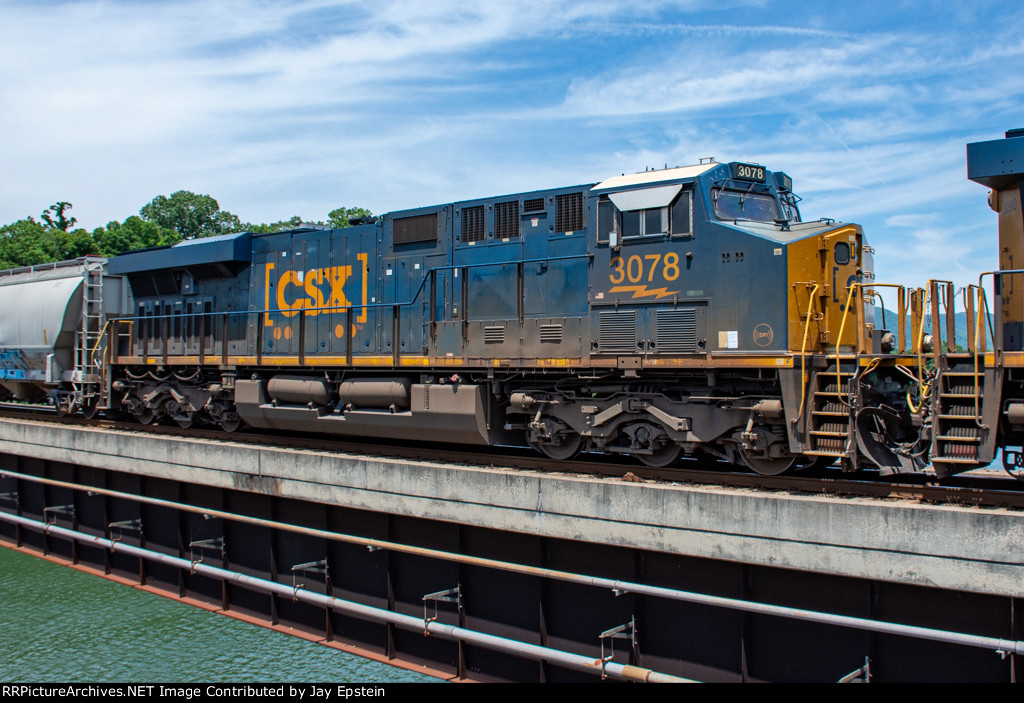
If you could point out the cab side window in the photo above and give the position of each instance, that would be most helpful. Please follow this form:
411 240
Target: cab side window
674 219
637 223
607 219
671 216
681 214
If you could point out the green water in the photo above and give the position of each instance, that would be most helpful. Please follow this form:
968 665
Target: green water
62 625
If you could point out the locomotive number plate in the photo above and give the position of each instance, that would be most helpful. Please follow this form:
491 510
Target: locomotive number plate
748 172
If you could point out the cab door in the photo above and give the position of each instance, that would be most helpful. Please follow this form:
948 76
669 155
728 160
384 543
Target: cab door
844 305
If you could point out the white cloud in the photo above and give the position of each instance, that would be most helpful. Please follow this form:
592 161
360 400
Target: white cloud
282 108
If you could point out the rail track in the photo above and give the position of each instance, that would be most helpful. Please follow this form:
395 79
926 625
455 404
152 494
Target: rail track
984 488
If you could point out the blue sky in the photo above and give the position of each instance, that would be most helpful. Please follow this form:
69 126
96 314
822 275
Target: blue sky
295 108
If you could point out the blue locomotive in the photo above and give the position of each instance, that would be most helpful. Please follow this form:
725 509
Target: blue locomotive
661 314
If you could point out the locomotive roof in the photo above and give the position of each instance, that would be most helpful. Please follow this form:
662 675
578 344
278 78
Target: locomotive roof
645 177
225 248
998 163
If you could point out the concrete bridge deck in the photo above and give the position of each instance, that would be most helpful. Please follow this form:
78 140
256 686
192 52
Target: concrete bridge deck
967 549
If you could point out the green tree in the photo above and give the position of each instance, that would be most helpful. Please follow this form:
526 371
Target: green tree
112 239
134 233
340 217
24 243
55 217
166 220
190 215
73 244
291 223
27 243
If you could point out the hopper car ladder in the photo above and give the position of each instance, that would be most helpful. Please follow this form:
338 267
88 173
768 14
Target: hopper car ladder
86 374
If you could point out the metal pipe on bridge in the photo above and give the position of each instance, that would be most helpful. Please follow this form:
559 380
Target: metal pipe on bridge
569 660
978 641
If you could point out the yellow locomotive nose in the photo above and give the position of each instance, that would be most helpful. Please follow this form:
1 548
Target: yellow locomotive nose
828 308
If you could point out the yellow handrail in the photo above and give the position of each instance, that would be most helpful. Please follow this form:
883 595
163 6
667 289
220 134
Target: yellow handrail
839 340
803 353
982 313
99 340
842 326
922 388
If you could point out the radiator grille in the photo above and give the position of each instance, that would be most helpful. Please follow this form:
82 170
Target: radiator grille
569 212
473 224
506 220
494 334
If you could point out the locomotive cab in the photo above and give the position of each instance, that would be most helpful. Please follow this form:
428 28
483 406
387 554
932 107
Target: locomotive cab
727 241
705 284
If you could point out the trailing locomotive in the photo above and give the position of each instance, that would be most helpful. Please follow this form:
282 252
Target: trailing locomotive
662 314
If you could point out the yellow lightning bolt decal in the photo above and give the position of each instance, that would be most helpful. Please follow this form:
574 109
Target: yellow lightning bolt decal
642 292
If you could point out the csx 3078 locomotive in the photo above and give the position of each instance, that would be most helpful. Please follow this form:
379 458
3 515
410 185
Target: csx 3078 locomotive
672 312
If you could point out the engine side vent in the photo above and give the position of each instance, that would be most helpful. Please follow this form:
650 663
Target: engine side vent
473 224
551 333
533 205
617 332
494 334
419 228
676 331
506 220
569 212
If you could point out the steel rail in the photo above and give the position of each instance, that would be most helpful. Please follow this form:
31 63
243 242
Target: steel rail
995 644
578 662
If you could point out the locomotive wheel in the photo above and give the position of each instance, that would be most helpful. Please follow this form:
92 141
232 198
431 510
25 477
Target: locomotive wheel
91 410
146 416
230 424
666 456
178 414
768 466
568 446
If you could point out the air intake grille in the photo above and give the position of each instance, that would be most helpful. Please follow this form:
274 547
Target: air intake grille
676 331
494 334
473 224
506 220
617 332
533 205
569 212
551 333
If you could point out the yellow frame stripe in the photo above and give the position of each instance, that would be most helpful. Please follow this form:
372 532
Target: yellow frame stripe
732 361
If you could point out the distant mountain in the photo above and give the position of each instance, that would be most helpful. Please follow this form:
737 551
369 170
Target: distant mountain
959 322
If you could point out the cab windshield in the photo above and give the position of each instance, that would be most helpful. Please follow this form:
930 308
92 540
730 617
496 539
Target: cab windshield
738 205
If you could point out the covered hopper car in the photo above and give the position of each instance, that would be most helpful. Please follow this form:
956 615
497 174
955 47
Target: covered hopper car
663 314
